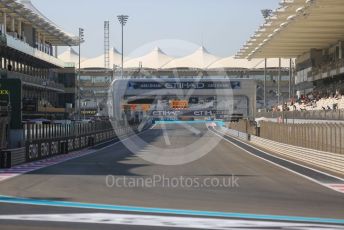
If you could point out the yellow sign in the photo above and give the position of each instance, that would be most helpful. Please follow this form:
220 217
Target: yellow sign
88 112
179 104
4 92
145 107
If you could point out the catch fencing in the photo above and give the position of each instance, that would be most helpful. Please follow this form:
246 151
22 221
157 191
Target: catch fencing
245 126
307 115
324 137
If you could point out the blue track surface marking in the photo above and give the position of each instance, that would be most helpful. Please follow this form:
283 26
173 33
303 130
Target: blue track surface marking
26 201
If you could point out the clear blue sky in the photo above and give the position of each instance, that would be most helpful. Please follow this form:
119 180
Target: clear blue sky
222 26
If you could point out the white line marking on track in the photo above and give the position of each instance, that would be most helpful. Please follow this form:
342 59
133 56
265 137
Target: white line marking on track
290 161
166 221
278 165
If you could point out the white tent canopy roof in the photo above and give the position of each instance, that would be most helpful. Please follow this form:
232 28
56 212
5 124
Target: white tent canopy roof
153 60
70 56
99 62
158 60
200 59
257 63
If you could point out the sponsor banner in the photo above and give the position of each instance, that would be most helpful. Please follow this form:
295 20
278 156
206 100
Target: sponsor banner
132 85
194 113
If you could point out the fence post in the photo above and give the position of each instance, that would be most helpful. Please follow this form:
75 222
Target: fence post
301 135
308 139
322 137
337 137
327 137
341 130
289 133
294 134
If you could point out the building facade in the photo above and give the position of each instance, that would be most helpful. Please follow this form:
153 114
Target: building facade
28 52
29 67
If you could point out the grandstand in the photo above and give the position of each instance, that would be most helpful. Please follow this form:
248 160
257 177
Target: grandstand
312 32
28 53
30 83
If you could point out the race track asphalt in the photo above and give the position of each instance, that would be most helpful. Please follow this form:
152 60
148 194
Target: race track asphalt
260 187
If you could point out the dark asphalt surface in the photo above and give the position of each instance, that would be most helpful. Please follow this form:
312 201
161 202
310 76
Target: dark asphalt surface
318 176
263 187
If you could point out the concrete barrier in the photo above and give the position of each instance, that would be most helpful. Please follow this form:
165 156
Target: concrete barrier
39 149
12 157
326 160
235 133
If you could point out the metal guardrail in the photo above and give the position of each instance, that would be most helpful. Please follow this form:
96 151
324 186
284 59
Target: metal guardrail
308 115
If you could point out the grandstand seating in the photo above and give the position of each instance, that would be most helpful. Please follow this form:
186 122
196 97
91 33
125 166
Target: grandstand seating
328 94
322 104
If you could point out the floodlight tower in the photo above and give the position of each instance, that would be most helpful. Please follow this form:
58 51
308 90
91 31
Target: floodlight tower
123 20
81 40
106 44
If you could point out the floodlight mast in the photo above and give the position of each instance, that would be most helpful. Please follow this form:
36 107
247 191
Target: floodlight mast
123 20
78 101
